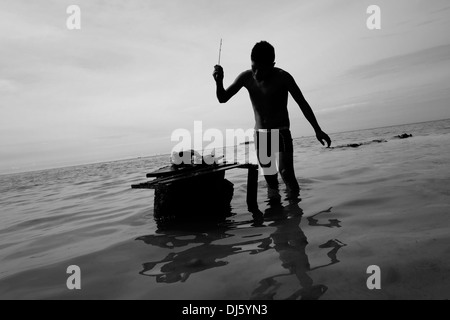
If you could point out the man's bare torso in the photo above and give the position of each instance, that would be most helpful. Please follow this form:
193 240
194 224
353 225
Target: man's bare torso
269 99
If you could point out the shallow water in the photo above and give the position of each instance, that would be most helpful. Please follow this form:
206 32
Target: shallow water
384 203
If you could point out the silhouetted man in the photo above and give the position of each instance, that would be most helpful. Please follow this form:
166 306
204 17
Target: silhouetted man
268 87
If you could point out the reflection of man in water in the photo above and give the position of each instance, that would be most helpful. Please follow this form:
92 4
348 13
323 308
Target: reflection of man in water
288 240
269 88
290 243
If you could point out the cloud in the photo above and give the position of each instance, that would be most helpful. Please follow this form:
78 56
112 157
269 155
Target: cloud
8 86
140 69
402 63
341 108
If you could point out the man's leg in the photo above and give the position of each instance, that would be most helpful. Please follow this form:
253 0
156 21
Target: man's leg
263 150
271 178
286 166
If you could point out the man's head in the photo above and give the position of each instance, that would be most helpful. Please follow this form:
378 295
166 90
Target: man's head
263 60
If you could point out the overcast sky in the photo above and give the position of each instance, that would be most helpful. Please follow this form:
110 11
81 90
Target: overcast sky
138 70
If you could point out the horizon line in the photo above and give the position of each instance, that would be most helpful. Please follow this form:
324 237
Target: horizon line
168 154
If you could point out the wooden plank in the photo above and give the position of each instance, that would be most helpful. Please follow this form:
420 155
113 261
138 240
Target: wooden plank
172 170
200 172
145 185
252 189
193 169
188 175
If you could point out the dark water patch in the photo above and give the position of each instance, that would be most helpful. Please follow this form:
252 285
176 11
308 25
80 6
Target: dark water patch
366 202
359 144
403 136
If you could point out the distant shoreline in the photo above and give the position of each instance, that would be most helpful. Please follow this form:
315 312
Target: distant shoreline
168 154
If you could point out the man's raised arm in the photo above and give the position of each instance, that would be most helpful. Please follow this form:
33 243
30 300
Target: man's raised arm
222 94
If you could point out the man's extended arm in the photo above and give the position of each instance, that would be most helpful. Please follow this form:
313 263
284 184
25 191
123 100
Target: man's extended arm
306 109
222 94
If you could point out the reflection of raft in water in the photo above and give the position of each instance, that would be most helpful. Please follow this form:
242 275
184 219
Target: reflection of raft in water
184 191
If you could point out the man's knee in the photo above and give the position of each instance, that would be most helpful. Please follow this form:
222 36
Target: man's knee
287 172
270 169
272 180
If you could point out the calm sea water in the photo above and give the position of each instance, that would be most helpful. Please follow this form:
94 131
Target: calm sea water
57 215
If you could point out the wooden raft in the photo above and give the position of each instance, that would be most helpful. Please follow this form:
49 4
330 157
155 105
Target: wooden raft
207 176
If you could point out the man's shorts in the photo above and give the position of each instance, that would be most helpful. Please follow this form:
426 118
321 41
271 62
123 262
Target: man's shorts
263 142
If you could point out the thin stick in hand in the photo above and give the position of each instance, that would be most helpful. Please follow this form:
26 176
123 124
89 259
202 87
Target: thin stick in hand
220 50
